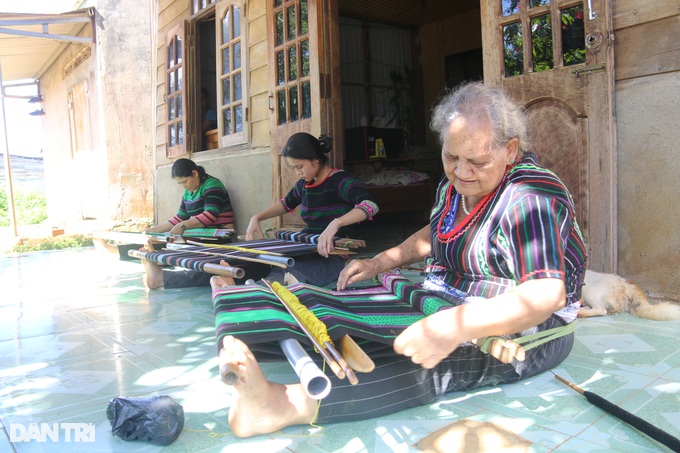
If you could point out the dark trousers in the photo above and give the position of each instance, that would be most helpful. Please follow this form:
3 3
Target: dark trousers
397 383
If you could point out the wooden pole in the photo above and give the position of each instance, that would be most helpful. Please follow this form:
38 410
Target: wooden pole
8 166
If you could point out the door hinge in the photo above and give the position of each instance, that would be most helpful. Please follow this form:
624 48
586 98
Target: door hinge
588 69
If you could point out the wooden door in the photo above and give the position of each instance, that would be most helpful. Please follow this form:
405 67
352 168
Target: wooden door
299 82
556 58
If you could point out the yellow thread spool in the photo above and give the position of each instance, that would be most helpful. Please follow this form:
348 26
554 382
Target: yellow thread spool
308 318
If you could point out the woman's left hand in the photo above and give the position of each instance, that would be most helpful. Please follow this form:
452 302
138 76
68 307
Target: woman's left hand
326 242
430 340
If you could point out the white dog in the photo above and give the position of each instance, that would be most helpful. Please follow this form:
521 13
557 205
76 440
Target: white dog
609 293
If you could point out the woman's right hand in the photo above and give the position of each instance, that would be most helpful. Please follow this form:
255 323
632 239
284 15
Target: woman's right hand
356 271
253 227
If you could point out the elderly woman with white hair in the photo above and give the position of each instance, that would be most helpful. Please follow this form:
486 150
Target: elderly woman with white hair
502 245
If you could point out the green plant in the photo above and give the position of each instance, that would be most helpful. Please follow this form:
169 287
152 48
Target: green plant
401 100
541 38
57 243
30 208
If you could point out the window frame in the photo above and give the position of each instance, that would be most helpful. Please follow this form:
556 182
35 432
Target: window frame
241 137
176 34
190 118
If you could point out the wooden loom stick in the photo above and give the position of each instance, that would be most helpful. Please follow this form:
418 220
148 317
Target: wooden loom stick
210 268
335 366
349 372
235 257
341 243
236 248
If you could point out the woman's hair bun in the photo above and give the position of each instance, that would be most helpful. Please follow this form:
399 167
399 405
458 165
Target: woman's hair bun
325 143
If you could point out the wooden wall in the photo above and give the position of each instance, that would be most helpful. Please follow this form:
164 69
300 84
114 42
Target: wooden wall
250 191
451 35
647 65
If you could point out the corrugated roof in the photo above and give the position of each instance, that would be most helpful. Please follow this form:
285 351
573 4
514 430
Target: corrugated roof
30 43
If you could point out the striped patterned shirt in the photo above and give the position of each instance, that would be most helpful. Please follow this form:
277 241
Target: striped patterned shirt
526 229
210 204
326 200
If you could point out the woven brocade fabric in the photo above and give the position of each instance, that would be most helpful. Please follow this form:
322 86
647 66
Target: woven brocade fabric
192 257
372 316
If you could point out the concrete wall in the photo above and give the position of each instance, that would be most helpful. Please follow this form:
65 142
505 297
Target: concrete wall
71 176
649 182
124 48
109 176
250 192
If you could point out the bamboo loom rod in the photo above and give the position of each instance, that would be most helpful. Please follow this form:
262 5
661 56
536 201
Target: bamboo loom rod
211 268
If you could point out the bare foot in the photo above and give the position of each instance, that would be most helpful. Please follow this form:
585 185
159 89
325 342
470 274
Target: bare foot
260 406
103 245
153 277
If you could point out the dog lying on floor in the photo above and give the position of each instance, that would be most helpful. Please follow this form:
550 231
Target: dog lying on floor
609 293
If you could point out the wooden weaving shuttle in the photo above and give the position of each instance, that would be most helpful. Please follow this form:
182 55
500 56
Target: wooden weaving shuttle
349 372
341 252
502 349
354 355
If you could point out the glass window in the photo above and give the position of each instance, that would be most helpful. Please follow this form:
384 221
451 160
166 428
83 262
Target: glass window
173 104
541 43
573 36
509 7
292 59
231 78
217 72
512 48
292 63
550 46
199 5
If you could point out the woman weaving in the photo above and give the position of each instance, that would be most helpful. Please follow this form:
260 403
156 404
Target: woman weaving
205 203
330 201
502 237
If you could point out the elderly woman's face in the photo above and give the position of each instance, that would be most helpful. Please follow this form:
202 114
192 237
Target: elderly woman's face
473 168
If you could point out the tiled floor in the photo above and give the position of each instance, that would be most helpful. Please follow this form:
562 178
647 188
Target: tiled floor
77 328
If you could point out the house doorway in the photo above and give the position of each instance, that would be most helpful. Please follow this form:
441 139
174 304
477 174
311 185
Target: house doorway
396 60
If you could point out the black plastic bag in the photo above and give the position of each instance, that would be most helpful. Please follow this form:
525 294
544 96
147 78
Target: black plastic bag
155 419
